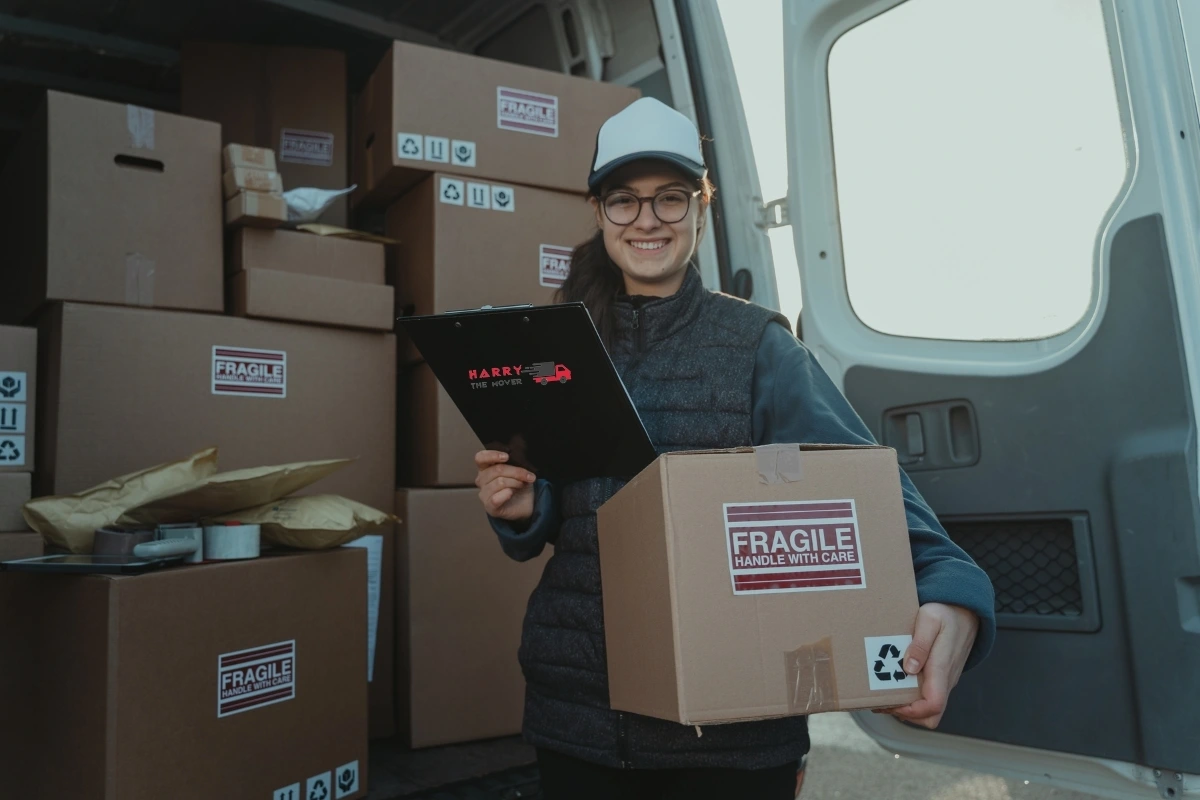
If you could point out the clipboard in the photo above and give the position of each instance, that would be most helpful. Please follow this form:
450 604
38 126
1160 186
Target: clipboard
537 383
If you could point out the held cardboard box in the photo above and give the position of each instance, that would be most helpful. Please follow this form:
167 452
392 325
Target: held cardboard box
251 179
18 398
15 491
464 244
244 155
20 545
256 209
108 203
289 296
309 254
435 445
759 583
460 606
289 99
155 695
427 109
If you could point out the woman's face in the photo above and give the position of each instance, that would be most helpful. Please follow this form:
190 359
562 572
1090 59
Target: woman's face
651 254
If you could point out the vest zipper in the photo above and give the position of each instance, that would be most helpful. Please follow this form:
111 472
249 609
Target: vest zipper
622 744
637 326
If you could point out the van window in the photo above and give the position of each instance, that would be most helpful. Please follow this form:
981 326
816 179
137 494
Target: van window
978 147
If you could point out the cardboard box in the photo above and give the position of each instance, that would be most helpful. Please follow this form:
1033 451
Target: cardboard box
460 606
269 294
244 155
18 398
108 203
15 490
113 669
290 99
428 109
309 254
435 445
256 209
250 179
20 545
759 583
453 255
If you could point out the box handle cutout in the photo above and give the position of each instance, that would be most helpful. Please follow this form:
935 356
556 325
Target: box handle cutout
151 164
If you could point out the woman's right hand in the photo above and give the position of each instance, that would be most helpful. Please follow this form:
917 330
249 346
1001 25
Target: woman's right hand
505 491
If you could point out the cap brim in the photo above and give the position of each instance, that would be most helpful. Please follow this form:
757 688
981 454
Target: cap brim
685 165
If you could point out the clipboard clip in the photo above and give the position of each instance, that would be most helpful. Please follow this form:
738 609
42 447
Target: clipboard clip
489 308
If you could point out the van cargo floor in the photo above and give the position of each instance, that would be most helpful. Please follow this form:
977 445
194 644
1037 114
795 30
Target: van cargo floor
498 769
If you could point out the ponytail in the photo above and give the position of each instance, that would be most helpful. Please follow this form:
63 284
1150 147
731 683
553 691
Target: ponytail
595 281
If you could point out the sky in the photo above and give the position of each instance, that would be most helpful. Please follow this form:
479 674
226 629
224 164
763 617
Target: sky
979 147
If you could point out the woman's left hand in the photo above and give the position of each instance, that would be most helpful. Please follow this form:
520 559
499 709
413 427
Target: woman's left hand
942 640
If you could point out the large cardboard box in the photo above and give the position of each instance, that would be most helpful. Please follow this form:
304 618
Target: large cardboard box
308 254
18 398
272 294
758 583
454 255
20 545
460 606
108 203
127 688
290 99
15 491
428 109
435 445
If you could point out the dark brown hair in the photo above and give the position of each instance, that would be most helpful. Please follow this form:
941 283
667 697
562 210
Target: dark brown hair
595 280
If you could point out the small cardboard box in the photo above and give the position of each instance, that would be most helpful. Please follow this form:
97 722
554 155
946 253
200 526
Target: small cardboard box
107 203
309 254
15 490
435 445
256 209
21 545
245 694
290 99
244 155
427 109
460 606
758 583
290 296
459 248
18 398
249 179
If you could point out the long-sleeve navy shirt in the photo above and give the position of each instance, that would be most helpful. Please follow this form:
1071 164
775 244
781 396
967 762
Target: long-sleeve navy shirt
795 401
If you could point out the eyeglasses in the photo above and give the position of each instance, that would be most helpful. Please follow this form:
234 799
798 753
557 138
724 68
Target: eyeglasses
669 206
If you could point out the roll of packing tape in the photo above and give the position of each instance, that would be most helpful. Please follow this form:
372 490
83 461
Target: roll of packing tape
190 531
228 541
119 541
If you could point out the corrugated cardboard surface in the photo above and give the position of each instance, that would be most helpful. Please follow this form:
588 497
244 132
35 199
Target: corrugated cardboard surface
15 488
435 445
120 676
20 545
256 209
432 92
19 355
251 179
715 656
269 294
108 203
243 155
454 256
459 614
309 254
258 92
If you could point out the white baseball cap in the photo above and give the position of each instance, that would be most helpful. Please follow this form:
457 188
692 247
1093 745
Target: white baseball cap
646 129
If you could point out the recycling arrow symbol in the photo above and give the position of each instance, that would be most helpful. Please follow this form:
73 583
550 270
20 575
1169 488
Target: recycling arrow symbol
451 192
889 651
9 450
501 199
319 791
409 148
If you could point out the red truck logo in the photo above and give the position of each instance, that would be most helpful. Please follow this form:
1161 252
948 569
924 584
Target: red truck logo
546 371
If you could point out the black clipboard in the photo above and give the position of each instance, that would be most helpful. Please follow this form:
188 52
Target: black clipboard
537 383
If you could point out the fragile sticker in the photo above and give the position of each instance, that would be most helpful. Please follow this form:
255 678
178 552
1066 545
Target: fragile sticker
885 668
14 386
261 676
504 198
555 264
12 451
437 148
410 146
479 195
452 191
306 147
12 418
527 112
462 153
249 373
797 546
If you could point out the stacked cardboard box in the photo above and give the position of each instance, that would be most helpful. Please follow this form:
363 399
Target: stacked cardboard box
479 168
18 400
253 189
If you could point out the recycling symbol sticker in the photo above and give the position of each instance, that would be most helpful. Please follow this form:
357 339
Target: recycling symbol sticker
347 780
409 145
12 451
452 191
317 787
885 668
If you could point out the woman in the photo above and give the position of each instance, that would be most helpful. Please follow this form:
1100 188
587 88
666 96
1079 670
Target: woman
705 370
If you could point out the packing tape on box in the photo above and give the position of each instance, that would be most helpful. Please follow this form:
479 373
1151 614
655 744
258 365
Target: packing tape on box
139 280
812 683
778 463
229 541
140 122
189 531
119 541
